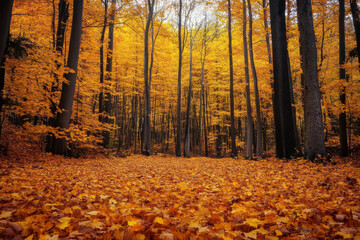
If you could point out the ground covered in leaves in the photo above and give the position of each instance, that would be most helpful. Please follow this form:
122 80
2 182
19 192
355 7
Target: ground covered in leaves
175 198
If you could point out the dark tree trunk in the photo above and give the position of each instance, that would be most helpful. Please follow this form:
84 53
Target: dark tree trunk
68 89
314 130
356 21
147 122
101 95
109 64
232 107
5 19
342 118
249 121
259 127
178 106
187 124
285 131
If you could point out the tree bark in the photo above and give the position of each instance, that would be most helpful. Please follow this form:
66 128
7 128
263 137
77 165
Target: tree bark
187 124
259 128
68 89
109 64
178 106
356 21
101 95
314 130
232 107
249 121
285 132
342 118
147 122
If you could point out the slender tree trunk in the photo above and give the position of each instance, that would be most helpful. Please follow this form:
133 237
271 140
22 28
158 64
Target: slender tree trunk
249 124
342 118
259 127
178 106
68 89
101 95
232 107
187 124
147 122
201 100
285 132
356 21
314 130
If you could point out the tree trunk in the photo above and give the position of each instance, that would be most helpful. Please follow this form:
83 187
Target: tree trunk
147 123
285 132
232 107
259 127
342 118
356 21
101 95
178 106
249 124
187 124
109 63
314 130
5 20
68 89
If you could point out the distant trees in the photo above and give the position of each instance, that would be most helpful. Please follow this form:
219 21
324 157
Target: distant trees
59 143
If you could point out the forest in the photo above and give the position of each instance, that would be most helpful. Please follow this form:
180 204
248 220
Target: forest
179 119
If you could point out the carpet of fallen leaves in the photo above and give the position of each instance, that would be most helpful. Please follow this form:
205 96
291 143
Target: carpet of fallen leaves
177 198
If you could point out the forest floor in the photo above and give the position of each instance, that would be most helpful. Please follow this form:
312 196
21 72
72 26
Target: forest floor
162 197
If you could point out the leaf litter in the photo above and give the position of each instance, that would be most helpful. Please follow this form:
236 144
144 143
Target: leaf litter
176 198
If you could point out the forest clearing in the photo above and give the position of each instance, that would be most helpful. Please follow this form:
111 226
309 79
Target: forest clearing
164 197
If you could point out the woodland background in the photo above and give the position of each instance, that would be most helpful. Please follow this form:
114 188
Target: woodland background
32 61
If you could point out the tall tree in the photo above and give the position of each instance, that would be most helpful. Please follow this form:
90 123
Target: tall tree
342 118
249 121
234 152
178 105
314 130
285 125
256 89
5 19
68 88
356 21
101 95
193 33
108 75
147 122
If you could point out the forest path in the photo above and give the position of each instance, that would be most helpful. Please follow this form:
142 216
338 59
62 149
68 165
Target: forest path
177 198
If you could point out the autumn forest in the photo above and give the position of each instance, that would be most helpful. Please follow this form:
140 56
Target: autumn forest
179 119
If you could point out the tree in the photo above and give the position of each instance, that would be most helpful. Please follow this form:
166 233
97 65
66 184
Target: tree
147 122
249 121
285 125
5 19
314 130
256 89
356 22
232 108
178 104
68 89
342 118
187 123
101 95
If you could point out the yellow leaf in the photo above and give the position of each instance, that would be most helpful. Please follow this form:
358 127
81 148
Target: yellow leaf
133 222
194 225
30 237
182 186
93 213
252 235
283 220
253 222
62 225
139 237
5 214
278 233
159 220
